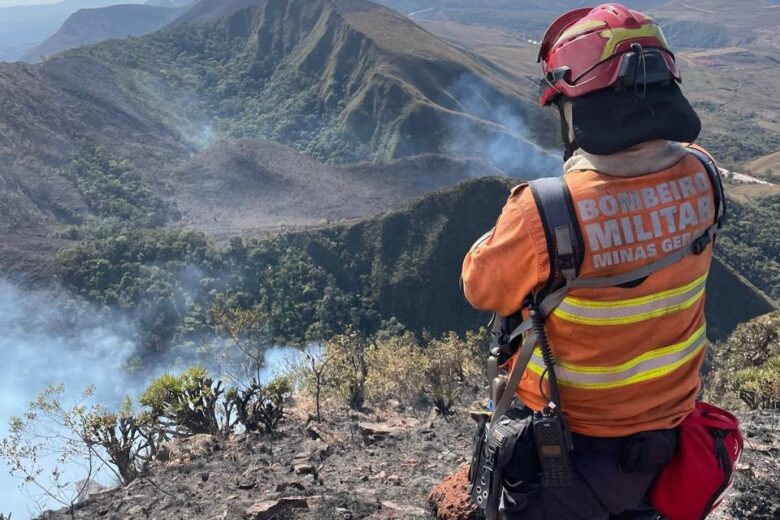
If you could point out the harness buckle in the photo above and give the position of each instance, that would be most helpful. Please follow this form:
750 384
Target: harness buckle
701 243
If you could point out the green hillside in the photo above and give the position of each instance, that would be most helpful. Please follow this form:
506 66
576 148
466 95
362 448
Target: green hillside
342 80
403 265
750 245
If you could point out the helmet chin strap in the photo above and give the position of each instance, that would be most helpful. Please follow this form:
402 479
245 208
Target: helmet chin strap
567 131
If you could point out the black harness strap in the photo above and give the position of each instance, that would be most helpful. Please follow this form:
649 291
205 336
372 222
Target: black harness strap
565 245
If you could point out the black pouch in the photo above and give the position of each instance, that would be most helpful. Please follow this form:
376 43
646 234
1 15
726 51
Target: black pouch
649 452
522 464
505 457
478 450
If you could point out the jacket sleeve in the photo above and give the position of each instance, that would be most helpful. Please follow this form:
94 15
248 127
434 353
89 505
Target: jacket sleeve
506 264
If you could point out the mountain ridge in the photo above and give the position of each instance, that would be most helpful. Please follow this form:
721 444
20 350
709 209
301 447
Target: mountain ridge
368 96
93 25
294 72
25 25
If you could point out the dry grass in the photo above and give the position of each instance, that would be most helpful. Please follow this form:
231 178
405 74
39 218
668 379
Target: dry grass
760 165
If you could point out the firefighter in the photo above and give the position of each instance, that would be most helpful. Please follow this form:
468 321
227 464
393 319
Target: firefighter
627 356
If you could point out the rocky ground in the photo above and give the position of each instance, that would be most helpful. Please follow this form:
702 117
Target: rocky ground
756 493
363 466
378 466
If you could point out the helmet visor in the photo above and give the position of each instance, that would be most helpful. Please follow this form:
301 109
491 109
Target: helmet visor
557 27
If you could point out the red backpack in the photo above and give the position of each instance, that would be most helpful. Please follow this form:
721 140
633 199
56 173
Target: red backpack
702 471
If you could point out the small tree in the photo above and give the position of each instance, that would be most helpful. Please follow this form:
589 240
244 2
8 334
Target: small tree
759 388
312 373
452 363
122 436
400 367
48 440
242 353
745 366
397 368
348 368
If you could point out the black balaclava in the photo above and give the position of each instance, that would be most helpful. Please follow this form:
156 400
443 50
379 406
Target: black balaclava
609 121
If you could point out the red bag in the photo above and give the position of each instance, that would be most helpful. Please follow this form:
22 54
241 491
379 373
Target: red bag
702 471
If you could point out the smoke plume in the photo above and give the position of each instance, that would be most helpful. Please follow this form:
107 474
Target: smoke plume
47 339
505 140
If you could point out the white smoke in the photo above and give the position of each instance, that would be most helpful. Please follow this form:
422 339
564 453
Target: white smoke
46 339
506 141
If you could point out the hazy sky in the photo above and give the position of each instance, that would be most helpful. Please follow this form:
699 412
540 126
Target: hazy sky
8 3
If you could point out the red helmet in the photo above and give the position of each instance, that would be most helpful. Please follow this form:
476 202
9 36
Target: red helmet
590 49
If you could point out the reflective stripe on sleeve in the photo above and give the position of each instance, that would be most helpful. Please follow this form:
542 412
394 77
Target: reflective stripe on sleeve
621 312
651 365
484 238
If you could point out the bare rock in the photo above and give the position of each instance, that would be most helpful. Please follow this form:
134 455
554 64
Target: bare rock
289 485
185 450
245 483
264 510
359 416
270 508
317 431
136 512
341 513
304 469
373 431
233 511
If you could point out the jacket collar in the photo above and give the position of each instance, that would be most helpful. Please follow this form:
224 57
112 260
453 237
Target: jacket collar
639 160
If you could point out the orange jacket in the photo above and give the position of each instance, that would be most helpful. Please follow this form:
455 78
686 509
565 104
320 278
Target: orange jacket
628 359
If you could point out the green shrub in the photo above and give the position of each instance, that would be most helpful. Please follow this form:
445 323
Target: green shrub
746 367
262 405
185 404
397 369
348 369
759 388
400 368
453 365
125 437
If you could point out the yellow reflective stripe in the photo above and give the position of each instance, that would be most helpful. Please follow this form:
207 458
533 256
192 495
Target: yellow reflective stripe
616 36
651 365
640 299
621 312
580 28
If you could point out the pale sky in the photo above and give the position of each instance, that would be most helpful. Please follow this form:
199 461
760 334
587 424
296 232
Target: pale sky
8 3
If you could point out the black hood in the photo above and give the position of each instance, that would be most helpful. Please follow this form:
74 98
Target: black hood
607 122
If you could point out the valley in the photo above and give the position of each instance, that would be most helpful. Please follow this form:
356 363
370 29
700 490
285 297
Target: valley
176 176
269 124
730 77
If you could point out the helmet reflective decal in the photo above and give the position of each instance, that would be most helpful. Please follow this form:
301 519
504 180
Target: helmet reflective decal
618 35
580 28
